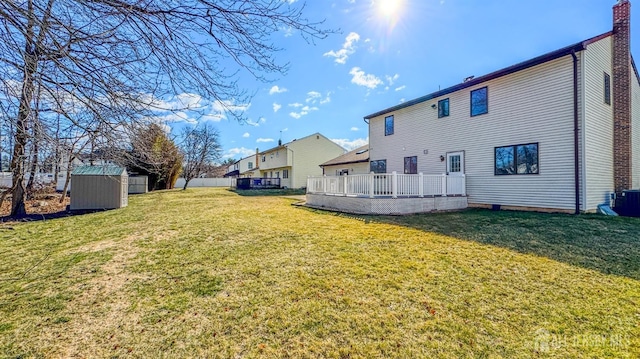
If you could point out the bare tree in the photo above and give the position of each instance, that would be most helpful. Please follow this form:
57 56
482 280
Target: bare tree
200 148
123 56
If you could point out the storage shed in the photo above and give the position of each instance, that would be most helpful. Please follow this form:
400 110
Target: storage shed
99 187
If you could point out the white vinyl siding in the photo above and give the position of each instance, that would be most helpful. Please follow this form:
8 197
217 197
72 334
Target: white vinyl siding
635 130
515 116
598 125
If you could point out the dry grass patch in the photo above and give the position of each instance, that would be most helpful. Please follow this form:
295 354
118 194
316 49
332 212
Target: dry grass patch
208 273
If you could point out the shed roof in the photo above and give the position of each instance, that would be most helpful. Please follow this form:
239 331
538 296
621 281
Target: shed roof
360 154
98 171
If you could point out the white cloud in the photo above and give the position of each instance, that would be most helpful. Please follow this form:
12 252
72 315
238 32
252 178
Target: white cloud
313 96
246 135
265 140
400 88
402 100
347 49
240 152
362 79
326 99
355 129
351 144
297 104
222 107
277 89
253 123
288 31
303 111
276 107
392 79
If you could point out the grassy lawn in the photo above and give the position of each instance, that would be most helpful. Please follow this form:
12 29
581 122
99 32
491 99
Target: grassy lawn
210 273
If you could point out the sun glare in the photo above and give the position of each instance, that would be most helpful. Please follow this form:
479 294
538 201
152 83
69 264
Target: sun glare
389 7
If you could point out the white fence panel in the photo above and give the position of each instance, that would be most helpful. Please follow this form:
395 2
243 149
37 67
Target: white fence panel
206 182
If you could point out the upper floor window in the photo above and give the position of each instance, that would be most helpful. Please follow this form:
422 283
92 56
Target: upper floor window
411 165
516 160
443 108
479 101
607 89
388 125
379 166
250 165
264 158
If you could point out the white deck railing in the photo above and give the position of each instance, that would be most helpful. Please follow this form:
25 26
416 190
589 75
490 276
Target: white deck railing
388 185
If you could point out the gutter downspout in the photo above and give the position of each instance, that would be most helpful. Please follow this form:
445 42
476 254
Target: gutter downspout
576 158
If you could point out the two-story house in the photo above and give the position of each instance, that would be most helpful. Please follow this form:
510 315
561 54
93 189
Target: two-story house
560 131
294 161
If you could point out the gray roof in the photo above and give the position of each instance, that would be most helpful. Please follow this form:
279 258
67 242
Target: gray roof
360 154
110 170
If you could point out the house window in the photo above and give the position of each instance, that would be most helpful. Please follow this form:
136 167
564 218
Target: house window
250 165
607 89
388 125
443 108
278 174
285 173
264 158
379 166
479 101
411 165
516 160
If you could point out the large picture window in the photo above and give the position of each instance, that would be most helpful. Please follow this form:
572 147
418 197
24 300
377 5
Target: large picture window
516 160
388 125
479 101
411 165
379 166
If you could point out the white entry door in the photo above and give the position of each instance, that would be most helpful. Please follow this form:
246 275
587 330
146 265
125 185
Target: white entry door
455 163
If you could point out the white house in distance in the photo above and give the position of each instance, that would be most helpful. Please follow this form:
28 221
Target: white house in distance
245 167
294 161
559 132
350 163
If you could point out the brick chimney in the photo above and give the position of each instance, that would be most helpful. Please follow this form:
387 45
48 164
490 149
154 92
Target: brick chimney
257 158
621 96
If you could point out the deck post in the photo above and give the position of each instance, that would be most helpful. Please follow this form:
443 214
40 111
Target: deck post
394 184
344 187
421 185
444 185
324 184
371 184
464 185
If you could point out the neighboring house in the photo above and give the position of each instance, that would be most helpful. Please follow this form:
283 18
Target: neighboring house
293 162
245 167
560 131
248 166
351 163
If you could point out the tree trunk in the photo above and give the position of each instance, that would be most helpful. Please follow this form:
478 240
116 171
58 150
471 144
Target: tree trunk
186 183
34 163
67 180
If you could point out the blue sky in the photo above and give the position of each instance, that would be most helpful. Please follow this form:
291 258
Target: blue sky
381 58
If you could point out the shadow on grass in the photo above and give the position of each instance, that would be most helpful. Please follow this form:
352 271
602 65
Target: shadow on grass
610 245
47 216
269 192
